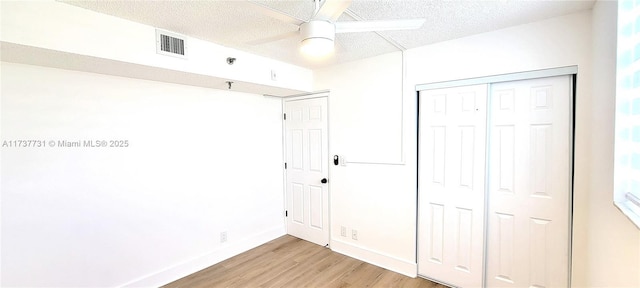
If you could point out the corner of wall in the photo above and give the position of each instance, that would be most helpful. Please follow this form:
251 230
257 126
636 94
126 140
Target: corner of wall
404 267
612 251
191 266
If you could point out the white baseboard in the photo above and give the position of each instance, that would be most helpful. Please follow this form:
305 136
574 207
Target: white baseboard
376 258
189 267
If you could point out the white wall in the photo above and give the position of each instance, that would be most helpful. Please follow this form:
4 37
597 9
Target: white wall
373 107
614 242
153 212
380 200
377 200
199 162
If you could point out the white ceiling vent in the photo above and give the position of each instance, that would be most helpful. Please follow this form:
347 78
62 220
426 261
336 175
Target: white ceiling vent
171 44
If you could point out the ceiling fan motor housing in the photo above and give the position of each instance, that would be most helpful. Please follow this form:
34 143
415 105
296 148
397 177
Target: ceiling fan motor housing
318 29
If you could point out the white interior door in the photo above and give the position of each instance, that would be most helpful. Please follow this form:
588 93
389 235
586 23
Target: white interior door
452 185
307 197
529 183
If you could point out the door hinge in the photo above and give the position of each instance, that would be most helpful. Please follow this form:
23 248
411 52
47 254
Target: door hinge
286 213
285 165
285 116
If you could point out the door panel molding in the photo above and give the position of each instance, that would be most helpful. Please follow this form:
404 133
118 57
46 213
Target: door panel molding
452 126
306 154
547 139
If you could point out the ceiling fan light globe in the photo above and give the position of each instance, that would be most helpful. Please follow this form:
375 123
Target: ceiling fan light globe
317 47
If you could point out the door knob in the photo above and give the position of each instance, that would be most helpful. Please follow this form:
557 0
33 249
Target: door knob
324 180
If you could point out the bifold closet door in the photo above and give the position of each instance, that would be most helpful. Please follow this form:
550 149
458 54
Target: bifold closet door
452 184
529 183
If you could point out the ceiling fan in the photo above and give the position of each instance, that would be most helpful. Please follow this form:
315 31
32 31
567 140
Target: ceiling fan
318 34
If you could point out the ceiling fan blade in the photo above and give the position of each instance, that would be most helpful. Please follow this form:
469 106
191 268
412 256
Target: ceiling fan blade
331 10
273 38
378 25
273 13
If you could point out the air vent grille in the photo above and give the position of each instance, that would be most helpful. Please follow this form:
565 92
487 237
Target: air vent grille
170 44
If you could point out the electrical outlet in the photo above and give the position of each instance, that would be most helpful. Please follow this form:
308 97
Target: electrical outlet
274 75
354 234
223 237
343 231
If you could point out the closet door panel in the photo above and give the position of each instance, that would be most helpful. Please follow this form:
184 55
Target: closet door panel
529 183
452 184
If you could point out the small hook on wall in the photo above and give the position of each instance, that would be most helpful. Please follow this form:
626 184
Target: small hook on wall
229 83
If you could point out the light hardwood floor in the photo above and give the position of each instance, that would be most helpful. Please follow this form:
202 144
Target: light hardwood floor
292 262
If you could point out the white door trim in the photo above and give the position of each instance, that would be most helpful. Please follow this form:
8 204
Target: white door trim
299 97
561 71
323 93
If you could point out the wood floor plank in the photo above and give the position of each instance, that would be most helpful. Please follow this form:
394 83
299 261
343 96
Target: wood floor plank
291 262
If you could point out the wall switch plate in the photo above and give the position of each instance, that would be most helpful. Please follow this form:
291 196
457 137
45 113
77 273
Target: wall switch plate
354 234
223 237
343 231
274 75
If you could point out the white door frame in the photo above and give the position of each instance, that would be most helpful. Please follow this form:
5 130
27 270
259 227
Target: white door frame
560 71
297 97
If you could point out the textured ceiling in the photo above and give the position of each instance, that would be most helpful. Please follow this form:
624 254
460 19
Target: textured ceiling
236 22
